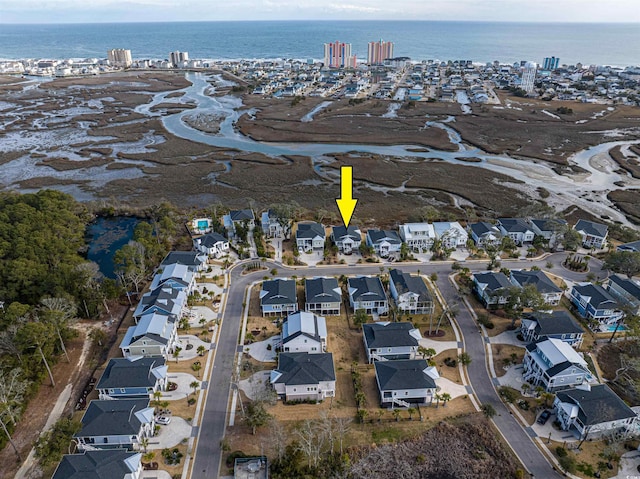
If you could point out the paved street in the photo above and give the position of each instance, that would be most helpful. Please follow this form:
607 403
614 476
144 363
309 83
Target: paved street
208 453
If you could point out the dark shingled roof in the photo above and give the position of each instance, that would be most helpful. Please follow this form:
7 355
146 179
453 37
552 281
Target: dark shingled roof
483 227
187 258
494 281
241 215
352 231
600 298
367 288
514 225
548 224
627 285
379 235
279 291
540 280
403 374
378 335
125 373
112 418
598 405
633 246
303 368
406 283
211 239
321 290
106 464
591 228
558 322
310 231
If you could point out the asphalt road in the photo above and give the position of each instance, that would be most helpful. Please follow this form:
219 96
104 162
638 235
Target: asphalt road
208 453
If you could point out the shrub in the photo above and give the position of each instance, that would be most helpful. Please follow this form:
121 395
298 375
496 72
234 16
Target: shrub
561 451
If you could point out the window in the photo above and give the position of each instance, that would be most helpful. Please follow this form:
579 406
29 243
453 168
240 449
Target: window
406 393
143 351
123 390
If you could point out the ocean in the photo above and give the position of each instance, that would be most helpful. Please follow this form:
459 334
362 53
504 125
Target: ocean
601 44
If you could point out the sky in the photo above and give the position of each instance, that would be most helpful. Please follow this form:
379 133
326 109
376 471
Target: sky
88 11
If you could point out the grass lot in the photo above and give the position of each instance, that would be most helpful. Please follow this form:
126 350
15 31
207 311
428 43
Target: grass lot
450 373
588 455
506 355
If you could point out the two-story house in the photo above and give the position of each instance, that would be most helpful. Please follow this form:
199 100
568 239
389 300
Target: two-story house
303 376
99 464
547 288
594 303
132 378
491 288
310 237
537 326
155 334
323 296
278 297
346 239
405 382
517 229
419 237
410 293
548 229
554 364
485 234
626 291
367 293
633 246
593 411
235 217
271 227
384 242
162 300
594 235
304 332
451 234
213 245
390 341
175 276
116 424
194 260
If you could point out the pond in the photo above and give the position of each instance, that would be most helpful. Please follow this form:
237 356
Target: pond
105 236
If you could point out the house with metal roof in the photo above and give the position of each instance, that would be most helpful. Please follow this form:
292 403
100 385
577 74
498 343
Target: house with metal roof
596 304
405 382
594 235
100 464
626 291
390 341
323 296
162 300
347 239
271 227
304 332
310 237
278 297
594 411
302 376
383 242
547 288
418 236
537 326
410 293
450 233
155 334
491 288
554 364
367 293
175 276
132 378
115 424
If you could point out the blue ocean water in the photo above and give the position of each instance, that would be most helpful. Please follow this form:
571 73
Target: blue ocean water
602 44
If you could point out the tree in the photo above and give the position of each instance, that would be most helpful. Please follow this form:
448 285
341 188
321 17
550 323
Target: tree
396 414
623 262
426 353
53 443
519 298
176 353
360 317
201 349
59 312
571 239
437 397
286 214
37 335
12 390
464 359
97 336
446 397
144 443
311 440
362 414
131 265
196 367
194 385
411 411
342 427
488 410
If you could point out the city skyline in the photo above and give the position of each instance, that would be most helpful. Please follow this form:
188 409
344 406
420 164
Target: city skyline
121 11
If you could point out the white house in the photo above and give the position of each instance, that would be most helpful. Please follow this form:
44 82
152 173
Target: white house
212 244
112 424
547 288
384 242
594 411
554 364
367 293
346 239
418 236
517 229
302 376
405 382
485 234
304 332
410 293
594 235
310 237
451 233
390 341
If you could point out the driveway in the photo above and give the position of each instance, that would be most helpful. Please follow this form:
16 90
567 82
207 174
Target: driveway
259 350
629 466
183 380
454 389
548 429
172 434
254 385
187 352
439 346
508 337
155 474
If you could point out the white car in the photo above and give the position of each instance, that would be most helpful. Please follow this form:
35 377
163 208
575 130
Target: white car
164 420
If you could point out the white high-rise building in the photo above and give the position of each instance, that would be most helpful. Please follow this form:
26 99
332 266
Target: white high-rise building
178 58
119 57
528 76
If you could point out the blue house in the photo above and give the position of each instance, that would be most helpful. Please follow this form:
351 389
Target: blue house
132 378
595 303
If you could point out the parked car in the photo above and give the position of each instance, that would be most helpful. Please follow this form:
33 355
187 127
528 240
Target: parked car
544 417
164 420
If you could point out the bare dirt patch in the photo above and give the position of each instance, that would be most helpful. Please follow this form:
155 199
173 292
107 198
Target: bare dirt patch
506 356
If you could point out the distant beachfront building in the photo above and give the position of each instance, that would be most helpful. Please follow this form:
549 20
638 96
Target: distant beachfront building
528 76
178 58
119 57
378 52
338 55
550 63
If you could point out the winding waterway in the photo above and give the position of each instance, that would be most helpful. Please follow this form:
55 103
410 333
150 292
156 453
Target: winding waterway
587 189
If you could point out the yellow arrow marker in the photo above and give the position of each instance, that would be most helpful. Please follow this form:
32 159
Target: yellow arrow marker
346 202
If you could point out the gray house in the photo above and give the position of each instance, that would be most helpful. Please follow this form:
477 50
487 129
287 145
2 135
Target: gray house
132 378
384 242
385 341
310 237
485 234
367 293
99 464
323 296
405 382
625 290
492 288
195 260
547 288
155 334
559 324
594 235
116 424
302 376
278 297
517 229
346 239
410 293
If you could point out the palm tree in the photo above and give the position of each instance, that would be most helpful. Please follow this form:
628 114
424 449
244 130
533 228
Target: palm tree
488 410
196 367
380 414
176 353
156 398
437 398
411 412
144 443
201 349
396 414
361 399
426 353
194 385
445 398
